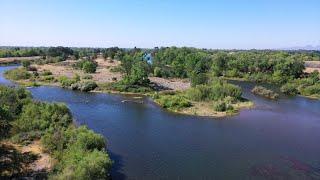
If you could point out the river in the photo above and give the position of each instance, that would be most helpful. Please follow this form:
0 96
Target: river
275 140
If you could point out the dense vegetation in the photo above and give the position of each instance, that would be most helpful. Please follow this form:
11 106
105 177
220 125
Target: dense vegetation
309 86
136 71
20 52
80 152
284 68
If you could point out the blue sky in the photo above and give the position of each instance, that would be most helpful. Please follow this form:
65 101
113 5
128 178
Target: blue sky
222 24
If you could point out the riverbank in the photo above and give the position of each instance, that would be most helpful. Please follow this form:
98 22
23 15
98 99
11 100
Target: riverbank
195 108
16 60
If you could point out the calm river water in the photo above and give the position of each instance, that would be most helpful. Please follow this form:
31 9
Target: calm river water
275 140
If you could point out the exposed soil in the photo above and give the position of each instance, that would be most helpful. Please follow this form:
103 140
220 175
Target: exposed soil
44 161
24 161
312 66
171 84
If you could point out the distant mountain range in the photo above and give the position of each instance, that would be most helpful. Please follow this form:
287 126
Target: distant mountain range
308 47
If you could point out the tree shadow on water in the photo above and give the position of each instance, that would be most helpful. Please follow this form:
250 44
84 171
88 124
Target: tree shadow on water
15 165
117 165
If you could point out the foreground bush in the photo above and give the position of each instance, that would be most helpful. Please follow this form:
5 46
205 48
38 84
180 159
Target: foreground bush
262 91
79 152
40 116
83 165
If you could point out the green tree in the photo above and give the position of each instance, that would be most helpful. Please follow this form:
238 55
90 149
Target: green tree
138 74
89 67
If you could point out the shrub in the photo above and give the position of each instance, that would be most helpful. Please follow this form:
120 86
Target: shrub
83 154
26 63
89 67
217 90
83 165
47 78
46 73
26 137
65 81
12 101
262 91
121 87
84 138
198 78
18 74
220 106
259 77
116 69
289 89
157 72
174 102
84 86
311 90
88 86
220 90
87 76
199 93
232 73
40 116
